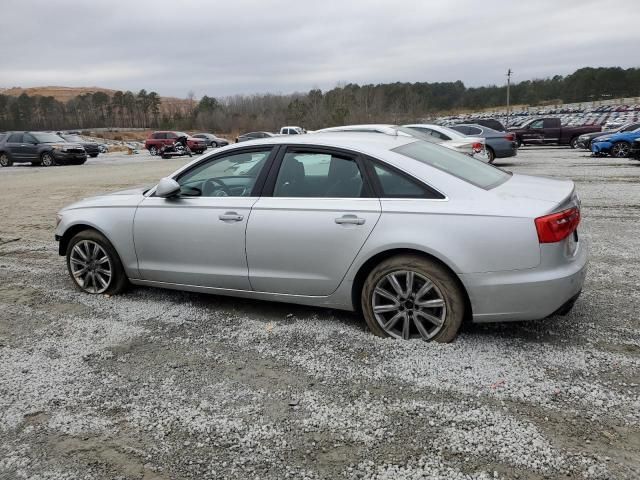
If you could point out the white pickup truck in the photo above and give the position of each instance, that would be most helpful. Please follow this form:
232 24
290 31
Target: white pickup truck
291 131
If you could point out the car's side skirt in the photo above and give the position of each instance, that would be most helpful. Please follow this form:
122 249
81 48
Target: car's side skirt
331 301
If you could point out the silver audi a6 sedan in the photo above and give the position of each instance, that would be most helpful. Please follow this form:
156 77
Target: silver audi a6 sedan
415 236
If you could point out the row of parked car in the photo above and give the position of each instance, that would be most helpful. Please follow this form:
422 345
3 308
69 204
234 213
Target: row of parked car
46 148
621 142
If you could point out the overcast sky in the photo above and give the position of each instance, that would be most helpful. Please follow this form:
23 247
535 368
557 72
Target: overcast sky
221 48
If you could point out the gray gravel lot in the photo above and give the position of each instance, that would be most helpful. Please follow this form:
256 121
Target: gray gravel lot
160 384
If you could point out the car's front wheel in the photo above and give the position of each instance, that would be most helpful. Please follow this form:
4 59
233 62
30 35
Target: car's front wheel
409 297
94 265
47 160
574 143
620 149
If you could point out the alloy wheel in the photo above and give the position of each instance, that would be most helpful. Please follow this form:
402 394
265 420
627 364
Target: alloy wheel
90 266
620 150
47 160
153 151
4 160
408 305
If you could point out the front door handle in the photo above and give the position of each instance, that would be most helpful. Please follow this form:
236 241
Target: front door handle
349 220
230 217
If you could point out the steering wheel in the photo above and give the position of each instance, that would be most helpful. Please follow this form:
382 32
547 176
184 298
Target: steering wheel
214 185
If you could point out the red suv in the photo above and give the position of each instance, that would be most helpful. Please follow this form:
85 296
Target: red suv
157 139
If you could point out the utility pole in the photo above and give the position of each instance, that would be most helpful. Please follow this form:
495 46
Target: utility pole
509 72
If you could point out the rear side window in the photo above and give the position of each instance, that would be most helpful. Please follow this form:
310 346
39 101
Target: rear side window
159 136
15 138
457 164
394 184
314 174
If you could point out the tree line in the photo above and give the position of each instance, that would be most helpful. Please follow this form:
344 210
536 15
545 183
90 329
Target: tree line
344 104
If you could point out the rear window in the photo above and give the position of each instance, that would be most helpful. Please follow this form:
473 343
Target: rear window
457 164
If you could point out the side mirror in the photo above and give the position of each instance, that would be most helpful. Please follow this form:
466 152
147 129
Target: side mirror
167 187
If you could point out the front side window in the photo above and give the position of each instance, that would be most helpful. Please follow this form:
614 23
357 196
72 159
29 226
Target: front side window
28 138
228 176
314 174
394 184
537 124
159 136
457 164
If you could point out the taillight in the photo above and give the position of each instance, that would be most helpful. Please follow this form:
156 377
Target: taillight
477 147
510 136
557 226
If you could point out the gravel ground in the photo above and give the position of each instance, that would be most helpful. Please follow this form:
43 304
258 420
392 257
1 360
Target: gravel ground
159 384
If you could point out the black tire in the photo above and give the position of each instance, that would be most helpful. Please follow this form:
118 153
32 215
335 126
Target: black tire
153 150
520 143
447 288
573 143
47 160
93 155
491 155
79 162
5 160
118 280
620 150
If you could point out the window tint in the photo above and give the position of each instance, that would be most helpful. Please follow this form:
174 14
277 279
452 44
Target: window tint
537 124
457 164
28 138
15 138
462 129
395 184
313 174
229 176
473 131
433 133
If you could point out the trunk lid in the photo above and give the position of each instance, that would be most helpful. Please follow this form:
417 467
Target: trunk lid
550 193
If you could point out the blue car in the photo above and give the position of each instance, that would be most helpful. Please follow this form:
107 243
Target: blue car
617 145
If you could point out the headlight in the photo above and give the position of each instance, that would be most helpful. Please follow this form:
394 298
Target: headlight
58 219
602 139
59 146
582 137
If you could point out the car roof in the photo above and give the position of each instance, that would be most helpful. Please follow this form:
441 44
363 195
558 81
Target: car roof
364 142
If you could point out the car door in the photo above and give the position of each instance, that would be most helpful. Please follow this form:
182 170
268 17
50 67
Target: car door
552 130
535 133
198 237
29 147
15 147
313 218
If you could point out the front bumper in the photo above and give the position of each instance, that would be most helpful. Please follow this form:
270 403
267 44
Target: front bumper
530 294
63 157
601 147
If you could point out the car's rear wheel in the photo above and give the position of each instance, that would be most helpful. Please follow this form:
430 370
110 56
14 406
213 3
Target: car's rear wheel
94 265
94 155
5 161
47 160
411 297
491 155
153 150
620 149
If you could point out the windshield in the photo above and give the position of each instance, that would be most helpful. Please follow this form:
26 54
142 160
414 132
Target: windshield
72 138
47 137
457 164
181 134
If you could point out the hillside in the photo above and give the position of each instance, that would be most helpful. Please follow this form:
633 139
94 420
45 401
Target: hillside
64 94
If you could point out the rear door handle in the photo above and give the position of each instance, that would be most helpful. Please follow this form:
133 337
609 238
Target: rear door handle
231 217
350 220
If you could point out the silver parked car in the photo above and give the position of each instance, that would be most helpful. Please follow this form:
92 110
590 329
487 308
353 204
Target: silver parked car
414 235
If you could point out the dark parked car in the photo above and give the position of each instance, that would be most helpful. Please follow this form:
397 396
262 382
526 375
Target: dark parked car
584 141
549 131
253 136
497 144
487 122
39 148
157 140
92 148
211 140
635 149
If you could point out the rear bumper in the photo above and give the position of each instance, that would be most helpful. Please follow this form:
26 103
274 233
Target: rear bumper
530 294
